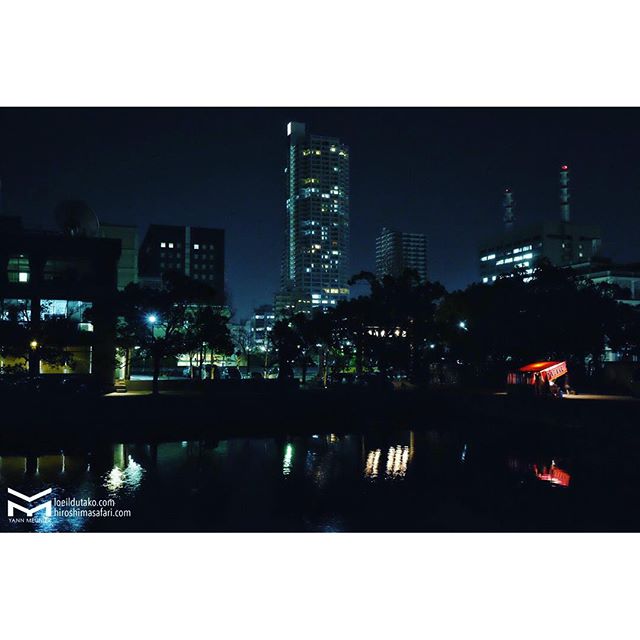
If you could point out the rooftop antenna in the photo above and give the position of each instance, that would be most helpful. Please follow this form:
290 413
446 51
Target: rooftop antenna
564 193
508 204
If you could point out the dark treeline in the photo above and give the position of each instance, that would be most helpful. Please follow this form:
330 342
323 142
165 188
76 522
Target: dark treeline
403 327
422 330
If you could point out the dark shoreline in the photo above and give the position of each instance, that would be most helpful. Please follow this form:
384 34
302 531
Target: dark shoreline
51 423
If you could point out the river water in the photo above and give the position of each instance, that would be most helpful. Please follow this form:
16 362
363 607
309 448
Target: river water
405 480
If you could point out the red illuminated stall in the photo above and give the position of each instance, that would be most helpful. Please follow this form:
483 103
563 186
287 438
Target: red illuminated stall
538 377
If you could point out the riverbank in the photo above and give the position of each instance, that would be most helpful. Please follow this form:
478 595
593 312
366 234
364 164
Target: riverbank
51 422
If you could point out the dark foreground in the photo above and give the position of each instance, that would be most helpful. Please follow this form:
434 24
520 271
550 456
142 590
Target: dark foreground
324 462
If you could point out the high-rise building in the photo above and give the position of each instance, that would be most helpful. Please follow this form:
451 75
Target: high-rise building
315 263
196 252
128 262
397 251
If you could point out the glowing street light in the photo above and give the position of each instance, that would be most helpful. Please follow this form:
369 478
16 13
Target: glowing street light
152 319
33 344
463 325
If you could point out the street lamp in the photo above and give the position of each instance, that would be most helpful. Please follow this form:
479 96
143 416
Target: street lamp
463 325
152 320
34 344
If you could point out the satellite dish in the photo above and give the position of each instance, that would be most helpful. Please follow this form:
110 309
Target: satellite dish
76 218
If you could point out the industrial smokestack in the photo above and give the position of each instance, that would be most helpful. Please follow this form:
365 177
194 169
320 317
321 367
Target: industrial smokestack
508 204
564 193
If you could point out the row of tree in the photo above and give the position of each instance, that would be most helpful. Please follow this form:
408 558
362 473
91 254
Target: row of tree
412 326
157 325
401 325
178 319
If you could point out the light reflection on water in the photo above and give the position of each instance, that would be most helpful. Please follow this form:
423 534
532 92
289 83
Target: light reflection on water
324 482
125 476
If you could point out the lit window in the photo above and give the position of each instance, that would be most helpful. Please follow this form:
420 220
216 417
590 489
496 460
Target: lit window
18 269
196 247
171 245
163 244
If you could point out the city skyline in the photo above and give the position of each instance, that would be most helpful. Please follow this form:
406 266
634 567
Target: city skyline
441 172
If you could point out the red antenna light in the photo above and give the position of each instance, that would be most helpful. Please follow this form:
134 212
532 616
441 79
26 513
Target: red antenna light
564 167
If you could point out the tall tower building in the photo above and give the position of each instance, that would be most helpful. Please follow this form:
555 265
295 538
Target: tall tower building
397 251
315 262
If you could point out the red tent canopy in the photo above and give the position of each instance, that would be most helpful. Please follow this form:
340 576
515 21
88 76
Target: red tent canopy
547 370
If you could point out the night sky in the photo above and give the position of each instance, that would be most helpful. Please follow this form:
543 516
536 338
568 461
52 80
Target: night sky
437 171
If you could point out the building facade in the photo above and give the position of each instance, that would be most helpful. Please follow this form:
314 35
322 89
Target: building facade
196 252
56 296
397 251
561 243
605 271
128 262
262 322
316 254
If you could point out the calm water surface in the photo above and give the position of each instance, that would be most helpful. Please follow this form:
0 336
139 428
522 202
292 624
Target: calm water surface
406 480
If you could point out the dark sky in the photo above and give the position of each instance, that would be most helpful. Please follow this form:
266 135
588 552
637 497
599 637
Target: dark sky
437 171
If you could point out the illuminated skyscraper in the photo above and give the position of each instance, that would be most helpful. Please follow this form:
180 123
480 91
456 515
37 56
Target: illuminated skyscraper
315 263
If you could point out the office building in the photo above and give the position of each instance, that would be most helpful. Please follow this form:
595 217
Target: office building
315 262
262 322
397 251
58 290
561 242
196 252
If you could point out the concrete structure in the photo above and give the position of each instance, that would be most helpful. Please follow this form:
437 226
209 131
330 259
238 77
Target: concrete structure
397 251
196 252
52 285
128 262
562 242
603 270
315 262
